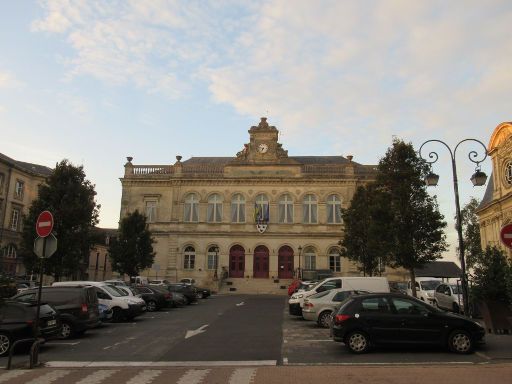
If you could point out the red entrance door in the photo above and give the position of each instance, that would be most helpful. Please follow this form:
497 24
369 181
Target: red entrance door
260 266
236 261
285 262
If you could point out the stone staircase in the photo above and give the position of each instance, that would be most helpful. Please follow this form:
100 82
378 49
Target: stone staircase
255 286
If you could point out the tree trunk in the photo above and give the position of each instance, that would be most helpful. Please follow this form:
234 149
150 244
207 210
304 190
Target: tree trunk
412 276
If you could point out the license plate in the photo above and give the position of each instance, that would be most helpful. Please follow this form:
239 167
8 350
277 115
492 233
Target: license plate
51 322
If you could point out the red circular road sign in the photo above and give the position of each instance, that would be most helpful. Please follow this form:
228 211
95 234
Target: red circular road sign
44 224
506 235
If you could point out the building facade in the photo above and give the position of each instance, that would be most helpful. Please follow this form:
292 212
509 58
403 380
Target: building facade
495 210
19 185
260 216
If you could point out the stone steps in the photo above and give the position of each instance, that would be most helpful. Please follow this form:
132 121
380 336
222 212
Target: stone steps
255 286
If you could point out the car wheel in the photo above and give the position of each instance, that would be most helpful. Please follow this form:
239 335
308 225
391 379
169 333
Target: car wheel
358 342
201 295
324 320
5 343
456 308
66 331
151 306
117 314
460 341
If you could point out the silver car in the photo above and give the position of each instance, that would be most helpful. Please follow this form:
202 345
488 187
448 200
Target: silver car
321 306
449 297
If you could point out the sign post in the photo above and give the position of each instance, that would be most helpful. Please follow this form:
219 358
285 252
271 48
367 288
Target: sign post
506 235
44 227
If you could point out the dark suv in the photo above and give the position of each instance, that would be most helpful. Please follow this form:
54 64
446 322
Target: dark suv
17 321
189 291
77 307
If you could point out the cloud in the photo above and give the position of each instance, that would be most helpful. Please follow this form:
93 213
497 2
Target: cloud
9 81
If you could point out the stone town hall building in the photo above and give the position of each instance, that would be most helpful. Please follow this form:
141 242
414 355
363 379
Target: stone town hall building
254 219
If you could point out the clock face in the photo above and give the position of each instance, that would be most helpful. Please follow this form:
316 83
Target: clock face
262 148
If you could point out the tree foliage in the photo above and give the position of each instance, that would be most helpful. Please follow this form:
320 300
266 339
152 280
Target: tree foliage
415 231
471 233
70 197
363 241
132 251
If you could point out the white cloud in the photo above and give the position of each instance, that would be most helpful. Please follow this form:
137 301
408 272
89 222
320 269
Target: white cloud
9 81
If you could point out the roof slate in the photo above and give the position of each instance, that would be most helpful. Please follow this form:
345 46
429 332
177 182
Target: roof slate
27 167
487 199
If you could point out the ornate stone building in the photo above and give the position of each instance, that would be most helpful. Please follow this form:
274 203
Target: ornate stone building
257 218
495 210
19 185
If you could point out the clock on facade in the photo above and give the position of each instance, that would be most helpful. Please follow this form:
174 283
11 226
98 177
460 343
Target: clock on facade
262 148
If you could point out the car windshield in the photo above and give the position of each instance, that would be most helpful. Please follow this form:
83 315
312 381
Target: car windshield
114 291
429 285
456 289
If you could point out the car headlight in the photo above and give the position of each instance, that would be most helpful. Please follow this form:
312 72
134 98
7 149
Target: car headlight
300 296
430 294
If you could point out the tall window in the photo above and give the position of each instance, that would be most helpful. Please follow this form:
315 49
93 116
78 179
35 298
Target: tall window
238 209
309 258
15 218
334 260
18 189
286 209
214 212
333 209
189 258
191 208
150 211
10 251
310 207
261 208
213 257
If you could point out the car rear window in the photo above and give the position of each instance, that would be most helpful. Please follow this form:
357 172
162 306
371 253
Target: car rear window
374 304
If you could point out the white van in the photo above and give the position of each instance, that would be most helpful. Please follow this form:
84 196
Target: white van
123 307
349 283
425 288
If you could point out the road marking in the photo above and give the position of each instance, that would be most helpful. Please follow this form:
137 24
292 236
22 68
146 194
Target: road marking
240 304
105 364
483 355
242 376
48 378
64 343
6 377
144 377
97 377
193 376
125 341
196 332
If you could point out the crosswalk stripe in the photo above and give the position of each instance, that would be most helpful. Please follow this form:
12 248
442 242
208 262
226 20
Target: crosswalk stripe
6 377
145 377
97 377
242 376
50 377
193 376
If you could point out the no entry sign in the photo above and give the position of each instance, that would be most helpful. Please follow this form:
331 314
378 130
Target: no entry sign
44 224
506 235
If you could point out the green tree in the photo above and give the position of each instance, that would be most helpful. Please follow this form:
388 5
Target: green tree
471 233
415 230
70 197
363 237
132 251
491 276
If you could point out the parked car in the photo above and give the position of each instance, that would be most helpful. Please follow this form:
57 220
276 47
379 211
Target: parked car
154 299
425 288
159 282
178 299
202 293
186 290
105 312
398 287
77 307
17 320
449 297
321 306
375 319
188 280
116 283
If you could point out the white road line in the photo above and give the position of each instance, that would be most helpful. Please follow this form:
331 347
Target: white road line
64 343
6 377
193 376
50 377
242 376
97 377
145 377
105 364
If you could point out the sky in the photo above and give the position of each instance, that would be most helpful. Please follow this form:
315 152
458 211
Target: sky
97 81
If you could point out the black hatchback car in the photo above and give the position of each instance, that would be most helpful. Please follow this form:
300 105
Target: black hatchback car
17 321
390 318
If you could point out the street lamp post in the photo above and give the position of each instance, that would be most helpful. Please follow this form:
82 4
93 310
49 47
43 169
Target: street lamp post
479 178
300 270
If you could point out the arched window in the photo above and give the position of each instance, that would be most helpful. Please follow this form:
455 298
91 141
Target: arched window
10 251
310 207
191 208
309 258
334 259
214 212
286 209
261 208
189 258
238 209
213 257
333 209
